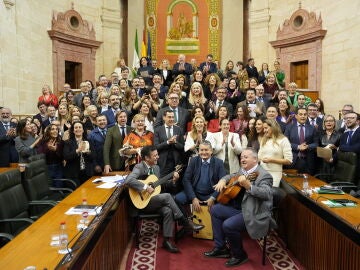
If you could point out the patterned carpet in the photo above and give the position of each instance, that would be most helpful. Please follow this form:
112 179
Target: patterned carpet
151 257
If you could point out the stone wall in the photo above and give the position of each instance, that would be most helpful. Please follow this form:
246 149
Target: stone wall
26 49
340 47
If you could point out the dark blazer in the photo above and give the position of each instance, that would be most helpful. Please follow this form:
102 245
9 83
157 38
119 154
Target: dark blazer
257 204
97 140
8 153
192 175
45 124
113 143
72 167
353 146
213 68
252 71
318 123
311 139
183 118
77 99
169 78
160 141
110 117
187 71
211 115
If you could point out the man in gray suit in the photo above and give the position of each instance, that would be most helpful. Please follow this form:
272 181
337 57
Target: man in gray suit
250 210
162 203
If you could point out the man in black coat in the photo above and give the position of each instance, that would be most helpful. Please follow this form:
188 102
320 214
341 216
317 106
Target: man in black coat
8 153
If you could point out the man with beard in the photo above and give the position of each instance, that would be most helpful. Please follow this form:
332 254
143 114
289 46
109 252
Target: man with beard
8 153
114 101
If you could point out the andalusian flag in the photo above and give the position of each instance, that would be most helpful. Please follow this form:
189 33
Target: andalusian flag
136 59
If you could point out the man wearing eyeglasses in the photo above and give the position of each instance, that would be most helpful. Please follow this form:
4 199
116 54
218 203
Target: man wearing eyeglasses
340 124
114 102
181 115
313 118
350 139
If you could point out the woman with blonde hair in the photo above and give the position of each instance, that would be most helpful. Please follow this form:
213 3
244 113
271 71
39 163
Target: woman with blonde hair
196 96
48 97
212 83
135 141
196 135
63 117
102 102
275 150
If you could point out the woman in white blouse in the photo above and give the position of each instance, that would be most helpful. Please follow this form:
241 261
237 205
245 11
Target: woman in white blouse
196 135
275 150
228 146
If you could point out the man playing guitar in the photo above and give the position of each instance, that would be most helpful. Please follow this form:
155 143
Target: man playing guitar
250 210
162 203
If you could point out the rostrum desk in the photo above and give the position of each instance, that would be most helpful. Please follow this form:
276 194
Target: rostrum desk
320 237
101 246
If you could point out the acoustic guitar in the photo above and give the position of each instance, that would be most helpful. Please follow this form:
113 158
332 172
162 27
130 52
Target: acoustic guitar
141 198
232 189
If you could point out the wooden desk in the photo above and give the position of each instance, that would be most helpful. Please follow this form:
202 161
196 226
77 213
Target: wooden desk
319 236
101 246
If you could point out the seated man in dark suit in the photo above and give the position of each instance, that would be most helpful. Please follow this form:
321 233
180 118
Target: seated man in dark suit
202 173
8 153
250 210
304 139
162 203
213 107
208 66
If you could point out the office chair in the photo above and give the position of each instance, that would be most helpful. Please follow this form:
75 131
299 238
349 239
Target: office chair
344 173
14 205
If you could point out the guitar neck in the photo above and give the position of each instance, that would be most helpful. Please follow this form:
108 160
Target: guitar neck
163 180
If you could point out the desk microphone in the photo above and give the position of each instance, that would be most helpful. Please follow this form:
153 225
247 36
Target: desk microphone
69 250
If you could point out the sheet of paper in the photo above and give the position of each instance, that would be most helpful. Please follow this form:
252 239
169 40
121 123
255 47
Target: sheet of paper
73 211
108 185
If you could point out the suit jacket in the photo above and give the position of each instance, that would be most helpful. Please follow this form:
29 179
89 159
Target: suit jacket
160 141
354 145
77 99
169 78
187 71
72 167
233 151
97 140
183 118
192 175
318 123
211 115
257 204
113 143
252 72
8 153
110 117
212 69
140 171
311 138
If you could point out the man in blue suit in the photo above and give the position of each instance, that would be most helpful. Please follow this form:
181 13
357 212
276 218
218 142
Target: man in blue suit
97 139
202 173
304 139
350 139
110 113
208 66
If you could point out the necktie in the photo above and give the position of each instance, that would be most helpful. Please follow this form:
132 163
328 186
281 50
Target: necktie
302 134
103 132
6 126
350 132
313 122
219 104
168 132
122 132
151 171
175 115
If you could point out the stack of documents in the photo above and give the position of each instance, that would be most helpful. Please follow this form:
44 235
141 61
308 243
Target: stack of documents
110 181
328 190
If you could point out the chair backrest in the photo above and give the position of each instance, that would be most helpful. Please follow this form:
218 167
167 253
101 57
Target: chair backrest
345 169
13 200
36 180
37 157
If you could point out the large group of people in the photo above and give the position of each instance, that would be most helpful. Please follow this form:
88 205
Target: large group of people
217 123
